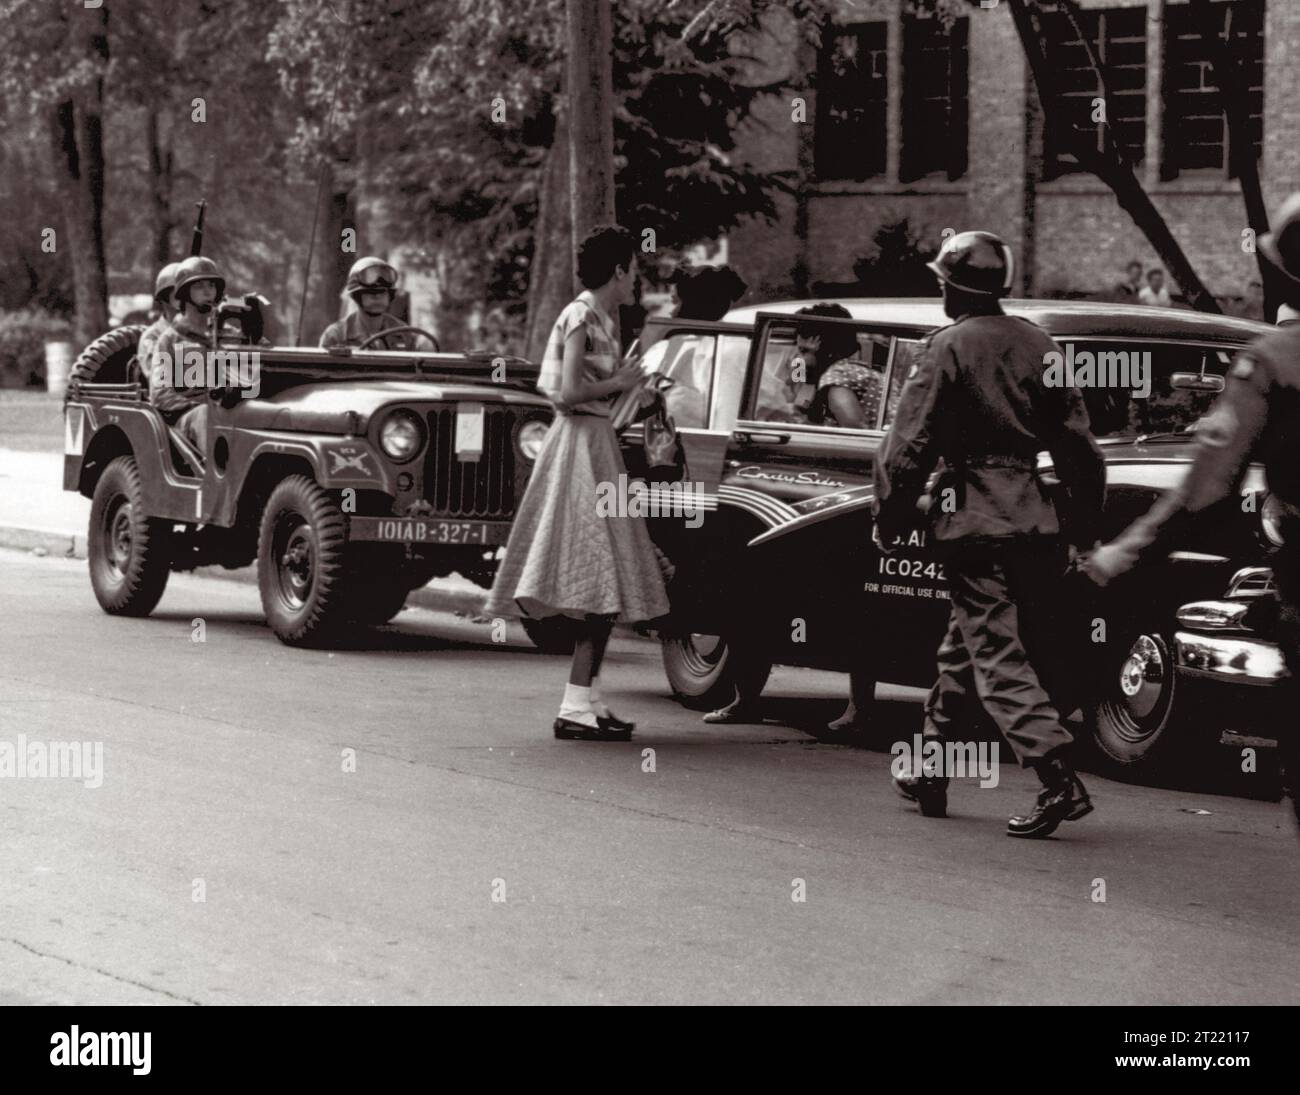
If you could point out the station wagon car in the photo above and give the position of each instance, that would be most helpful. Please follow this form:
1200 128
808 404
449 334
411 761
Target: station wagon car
350 476
1187 647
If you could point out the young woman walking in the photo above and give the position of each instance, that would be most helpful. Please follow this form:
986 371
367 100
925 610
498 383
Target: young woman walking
565 556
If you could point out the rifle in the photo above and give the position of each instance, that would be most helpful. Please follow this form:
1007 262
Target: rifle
196 244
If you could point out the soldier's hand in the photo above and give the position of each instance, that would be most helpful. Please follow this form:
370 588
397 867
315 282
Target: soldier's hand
878 540
1106 563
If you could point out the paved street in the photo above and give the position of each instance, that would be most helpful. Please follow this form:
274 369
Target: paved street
224 762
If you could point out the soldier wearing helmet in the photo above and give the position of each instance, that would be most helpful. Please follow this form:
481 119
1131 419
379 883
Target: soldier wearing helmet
976 400
1257 416
162 295
370 291
199 286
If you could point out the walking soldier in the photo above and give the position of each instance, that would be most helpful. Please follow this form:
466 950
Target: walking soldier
1257 415
976 399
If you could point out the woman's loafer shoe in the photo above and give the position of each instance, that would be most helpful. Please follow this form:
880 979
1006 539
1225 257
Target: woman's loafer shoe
613 722
568 730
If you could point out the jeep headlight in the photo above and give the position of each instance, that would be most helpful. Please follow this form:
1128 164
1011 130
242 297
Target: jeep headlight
1270 520
401 436
532 436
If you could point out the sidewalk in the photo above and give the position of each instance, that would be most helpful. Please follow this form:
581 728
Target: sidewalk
37 514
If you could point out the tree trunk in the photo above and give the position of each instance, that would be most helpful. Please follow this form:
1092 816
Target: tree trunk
1231 82
550 280
591 114
1109 166
78 137
161 162
328 269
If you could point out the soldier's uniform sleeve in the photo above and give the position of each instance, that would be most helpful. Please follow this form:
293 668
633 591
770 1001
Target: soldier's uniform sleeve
162 394
912 446
1225 439
1077 459
333 335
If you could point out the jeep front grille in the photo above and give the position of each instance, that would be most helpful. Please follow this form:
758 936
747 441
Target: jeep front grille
471 488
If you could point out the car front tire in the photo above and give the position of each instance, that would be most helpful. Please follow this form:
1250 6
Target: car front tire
1136 719
129 553
300 563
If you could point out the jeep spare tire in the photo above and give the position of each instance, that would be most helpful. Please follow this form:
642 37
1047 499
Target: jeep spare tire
105 360
300 563
129 553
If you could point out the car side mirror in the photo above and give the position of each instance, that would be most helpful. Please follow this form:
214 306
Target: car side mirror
1196 382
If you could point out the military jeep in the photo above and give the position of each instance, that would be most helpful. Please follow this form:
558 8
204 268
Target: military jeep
350 476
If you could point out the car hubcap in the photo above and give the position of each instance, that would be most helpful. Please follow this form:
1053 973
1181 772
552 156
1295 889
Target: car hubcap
1143 679
702 653
118 539
295 569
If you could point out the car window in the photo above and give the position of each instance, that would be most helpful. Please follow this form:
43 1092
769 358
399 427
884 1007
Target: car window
688 360
729 379
790 391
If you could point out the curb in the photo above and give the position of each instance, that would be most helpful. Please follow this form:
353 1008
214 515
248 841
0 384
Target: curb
68 545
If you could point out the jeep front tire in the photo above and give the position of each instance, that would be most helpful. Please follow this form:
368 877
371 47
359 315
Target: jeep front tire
300 563
129 552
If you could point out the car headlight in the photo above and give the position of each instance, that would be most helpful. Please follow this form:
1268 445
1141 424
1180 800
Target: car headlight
1270 520
532 436
401 436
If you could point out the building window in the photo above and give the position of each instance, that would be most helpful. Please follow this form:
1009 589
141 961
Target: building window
1118 39
851 133
935 112
1195 132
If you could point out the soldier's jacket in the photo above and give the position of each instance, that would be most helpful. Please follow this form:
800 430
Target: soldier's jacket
349 332
977 401
1257 416
166 367
148 339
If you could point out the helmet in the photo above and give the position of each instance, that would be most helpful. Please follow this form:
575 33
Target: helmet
975 262
371 273
165 282
1282 245
196 268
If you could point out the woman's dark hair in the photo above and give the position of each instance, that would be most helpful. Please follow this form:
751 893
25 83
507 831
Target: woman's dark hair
605 248
837 342
707 292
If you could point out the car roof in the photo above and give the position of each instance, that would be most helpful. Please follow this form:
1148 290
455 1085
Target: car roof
1058 317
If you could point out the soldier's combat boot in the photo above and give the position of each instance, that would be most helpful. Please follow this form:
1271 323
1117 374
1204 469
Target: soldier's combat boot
928 790
1063 798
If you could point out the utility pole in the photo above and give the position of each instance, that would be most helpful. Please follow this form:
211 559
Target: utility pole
590 87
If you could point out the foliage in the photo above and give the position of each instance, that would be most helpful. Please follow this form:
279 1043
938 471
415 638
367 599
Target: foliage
23 335
896 266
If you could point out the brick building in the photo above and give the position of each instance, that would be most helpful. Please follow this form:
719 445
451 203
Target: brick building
909 119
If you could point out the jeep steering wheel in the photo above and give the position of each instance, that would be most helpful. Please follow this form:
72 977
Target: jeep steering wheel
394 330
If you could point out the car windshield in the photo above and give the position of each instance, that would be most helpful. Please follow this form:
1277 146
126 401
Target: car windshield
1118 410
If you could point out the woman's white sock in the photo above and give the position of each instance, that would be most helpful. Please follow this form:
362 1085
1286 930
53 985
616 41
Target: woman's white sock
576 706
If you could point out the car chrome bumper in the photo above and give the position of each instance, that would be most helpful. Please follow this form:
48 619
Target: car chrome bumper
1232 659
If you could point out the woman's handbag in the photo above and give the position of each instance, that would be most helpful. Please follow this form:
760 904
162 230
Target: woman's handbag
665 457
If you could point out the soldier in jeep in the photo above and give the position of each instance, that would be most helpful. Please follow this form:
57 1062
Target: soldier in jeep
370 291
199 286
163 287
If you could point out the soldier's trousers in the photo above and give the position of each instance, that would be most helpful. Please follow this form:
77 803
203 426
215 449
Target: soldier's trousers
1008 644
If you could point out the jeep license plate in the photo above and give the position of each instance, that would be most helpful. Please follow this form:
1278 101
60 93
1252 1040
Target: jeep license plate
422 530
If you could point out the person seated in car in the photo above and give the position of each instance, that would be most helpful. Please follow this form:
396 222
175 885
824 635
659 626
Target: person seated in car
821 381
370 291
199 286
